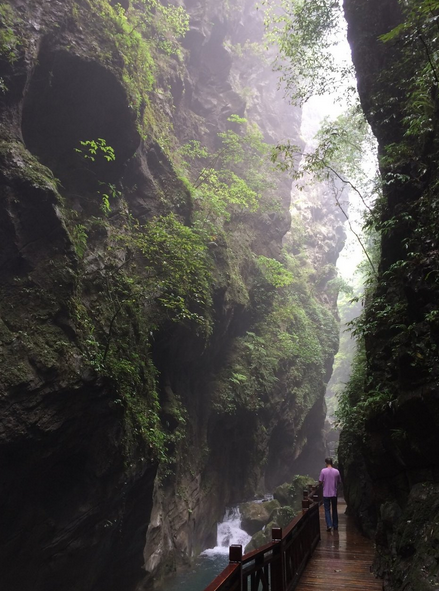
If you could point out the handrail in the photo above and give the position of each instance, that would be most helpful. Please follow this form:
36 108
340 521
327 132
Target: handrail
278 565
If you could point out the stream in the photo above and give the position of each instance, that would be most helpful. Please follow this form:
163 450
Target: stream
213 560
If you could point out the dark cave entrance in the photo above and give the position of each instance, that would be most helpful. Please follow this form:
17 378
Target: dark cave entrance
70 100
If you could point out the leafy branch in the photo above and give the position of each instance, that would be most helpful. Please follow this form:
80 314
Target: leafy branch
306 33
338 155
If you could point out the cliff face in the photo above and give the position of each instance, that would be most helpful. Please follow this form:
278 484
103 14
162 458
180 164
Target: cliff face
152 362
388 448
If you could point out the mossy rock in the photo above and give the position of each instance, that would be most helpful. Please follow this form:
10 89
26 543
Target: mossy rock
260 538
291 494
282 516
256 515
283 494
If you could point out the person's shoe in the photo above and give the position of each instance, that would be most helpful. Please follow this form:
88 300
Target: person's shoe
336 528
328 528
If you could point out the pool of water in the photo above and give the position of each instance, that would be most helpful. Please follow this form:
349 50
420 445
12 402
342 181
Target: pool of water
213 560
204 570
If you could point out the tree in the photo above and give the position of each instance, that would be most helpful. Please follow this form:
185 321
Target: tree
340 158
306 33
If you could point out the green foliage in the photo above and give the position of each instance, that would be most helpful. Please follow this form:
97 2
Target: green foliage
10 41
114 352
284 515
399 323
93 152
152 273
218 191
120 28
306 33
136 381
343 152
144 33
93 149
233 178
249 48
412 82
111 192
360 400
274 272
341 159
286 351
79 236
175 266
164 24
341 146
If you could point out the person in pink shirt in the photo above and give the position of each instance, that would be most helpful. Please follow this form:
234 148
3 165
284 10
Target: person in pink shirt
330 479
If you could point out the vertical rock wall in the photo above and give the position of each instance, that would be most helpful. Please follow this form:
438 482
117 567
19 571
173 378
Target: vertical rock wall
115 428
388 452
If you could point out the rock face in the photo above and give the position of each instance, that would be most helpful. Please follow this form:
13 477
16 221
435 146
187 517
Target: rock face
135 405
256 515
388 448
258 519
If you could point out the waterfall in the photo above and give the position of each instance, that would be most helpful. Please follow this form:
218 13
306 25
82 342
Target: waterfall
229 532
213 560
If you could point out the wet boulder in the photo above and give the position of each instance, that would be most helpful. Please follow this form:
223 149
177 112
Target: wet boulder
256 515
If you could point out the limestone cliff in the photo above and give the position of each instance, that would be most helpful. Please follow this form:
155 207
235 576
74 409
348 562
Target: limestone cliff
156 365
388 446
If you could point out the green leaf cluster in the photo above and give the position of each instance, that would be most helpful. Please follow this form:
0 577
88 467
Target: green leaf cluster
10 38
306 32
94 152
92 149
361 400
274 272
236 177
412 95
176 265
399 323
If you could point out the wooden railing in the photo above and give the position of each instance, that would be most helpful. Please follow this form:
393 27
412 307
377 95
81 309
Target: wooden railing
277 566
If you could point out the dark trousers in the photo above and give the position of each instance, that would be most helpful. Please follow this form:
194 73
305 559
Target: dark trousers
331 503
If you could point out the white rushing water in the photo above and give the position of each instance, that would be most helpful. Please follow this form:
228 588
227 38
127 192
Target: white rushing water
229 532
213 560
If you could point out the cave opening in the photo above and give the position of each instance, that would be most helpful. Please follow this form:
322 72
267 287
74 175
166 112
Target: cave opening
69 100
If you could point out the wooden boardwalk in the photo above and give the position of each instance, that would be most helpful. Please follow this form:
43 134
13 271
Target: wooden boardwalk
341 560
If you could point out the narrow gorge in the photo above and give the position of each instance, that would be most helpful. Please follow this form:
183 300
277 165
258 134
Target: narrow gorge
168 281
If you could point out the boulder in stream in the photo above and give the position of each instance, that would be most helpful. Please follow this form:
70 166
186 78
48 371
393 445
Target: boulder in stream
255 515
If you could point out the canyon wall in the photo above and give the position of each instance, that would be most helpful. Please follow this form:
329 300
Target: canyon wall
161 358
388 447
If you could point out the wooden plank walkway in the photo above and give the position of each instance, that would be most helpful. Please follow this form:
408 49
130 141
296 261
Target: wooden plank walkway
341 560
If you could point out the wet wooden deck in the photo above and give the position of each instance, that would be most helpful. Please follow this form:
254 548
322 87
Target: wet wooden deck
341 560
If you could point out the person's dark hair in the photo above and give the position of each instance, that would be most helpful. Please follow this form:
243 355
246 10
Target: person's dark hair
328 461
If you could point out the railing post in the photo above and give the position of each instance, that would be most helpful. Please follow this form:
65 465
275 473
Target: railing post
305 500
235 556
235 553
277 567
